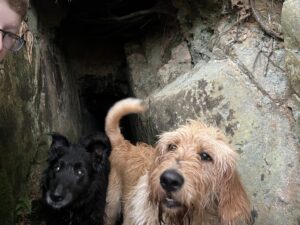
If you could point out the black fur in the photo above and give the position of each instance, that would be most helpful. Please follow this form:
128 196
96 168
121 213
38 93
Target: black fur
75 181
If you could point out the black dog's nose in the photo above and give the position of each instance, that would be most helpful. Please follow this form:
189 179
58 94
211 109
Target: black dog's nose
171 180
57 195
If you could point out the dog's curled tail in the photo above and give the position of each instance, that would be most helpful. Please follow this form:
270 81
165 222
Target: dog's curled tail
115 114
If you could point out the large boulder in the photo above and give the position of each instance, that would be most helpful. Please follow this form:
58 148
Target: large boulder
290 24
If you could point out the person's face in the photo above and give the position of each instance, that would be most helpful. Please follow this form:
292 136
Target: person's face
9 21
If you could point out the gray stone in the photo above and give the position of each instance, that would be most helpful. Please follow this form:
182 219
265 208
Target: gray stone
292 60
290 24
145 68
179 63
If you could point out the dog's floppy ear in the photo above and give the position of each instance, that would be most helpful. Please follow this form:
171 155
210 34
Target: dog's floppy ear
98 145
234 205
58 141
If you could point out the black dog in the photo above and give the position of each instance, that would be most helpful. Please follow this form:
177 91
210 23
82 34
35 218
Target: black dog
75 182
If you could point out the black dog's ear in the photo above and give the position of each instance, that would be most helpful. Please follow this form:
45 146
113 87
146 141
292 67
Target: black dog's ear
98 145
58 141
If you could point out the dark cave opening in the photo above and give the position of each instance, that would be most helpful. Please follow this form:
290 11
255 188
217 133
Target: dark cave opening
91 35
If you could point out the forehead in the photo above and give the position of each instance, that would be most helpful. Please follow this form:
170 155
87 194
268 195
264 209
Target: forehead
199 138
191 134
75 154
9 19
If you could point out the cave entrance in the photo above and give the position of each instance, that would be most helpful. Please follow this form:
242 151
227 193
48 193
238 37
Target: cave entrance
91 35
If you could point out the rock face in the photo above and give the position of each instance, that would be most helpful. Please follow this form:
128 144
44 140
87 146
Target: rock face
290 24
238 85
35 99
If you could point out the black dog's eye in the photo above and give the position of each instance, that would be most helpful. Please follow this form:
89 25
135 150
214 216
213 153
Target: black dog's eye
57 168
78 170
172 147
204 156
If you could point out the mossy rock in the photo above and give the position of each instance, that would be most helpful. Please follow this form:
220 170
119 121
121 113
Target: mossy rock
6 199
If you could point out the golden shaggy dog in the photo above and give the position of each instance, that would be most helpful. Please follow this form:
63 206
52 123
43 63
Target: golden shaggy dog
189 178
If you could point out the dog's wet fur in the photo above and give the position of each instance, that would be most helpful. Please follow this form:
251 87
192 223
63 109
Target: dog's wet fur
188 178
75 181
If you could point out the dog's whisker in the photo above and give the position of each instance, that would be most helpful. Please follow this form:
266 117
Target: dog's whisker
187 215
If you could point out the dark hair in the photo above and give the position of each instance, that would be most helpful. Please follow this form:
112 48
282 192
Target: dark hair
19 6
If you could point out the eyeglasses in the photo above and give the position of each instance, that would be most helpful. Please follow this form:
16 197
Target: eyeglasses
12 41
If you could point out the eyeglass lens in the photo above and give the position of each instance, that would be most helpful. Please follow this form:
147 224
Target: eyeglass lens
12 41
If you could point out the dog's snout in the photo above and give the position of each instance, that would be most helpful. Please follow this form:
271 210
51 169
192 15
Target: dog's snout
57 195
171 180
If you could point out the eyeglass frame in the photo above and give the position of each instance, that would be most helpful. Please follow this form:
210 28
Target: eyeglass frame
16 37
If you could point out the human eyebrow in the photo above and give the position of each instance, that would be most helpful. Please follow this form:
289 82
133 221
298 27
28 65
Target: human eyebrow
11 29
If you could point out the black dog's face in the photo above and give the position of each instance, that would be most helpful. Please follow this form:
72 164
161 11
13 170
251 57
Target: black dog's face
69 175
71 169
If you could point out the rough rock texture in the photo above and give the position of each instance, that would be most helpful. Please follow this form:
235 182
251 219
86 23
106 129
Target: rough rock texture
34 99
238 83
290 25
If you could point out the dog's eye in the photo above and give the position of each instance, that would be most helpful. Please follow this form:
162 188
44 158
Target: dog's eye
78 171
172 147
57 168
204 156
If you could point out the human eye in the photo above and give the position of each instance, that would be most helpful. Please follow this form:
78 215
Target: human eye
12 36
12 41
9 39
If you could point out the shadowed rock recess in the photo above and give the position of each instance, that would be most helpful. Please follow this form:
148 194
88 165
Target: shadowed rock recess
207 60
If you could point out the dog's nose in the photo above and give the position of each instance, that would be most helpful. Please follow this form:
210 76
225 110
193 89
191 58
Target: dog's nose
171 180
57 195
